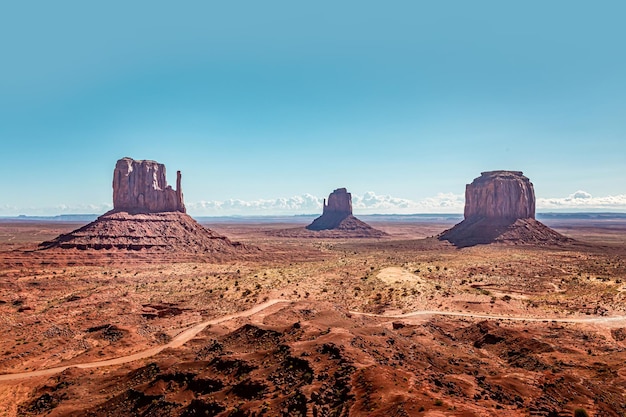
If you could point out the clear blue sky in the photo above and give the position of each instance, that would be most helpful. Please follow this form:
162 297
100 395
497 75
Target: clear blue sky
260 100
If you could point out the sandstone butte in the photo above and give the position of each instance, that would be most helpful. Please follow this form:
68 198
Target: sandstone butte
337 216
142 186
147 215
500 208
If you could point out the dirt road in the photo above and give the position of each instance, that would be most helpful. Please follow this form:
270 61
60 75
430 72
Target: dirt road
191 332
179 340
592 319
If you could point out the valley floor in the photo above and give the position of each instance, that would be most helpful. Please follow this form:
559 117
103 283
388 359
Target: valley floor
403 325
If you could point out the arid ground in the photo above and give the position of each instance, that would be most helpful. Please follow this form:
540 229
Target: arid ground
403 325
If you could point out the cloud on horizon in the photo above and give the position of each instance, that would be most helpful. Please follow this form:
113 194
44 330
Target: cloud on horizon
11 210
368 203
372 203
305 203
581 200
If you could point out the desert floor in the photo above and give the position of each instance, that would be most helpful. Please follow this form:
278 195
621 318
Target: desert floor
399 326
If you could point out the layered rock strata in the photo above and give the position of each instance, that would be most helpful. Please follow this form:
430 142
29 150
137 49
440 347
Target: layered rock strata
500 207
147 215
164 231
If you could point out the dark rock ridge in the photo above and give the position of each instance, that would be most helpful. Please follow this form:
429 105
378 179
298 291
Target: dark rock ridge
141 186
147 215
337 216
500 207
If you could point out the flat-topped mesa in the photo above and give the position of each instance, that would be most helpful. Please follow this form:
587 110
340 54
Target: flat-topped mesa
500 208
501 196
141 186
339 202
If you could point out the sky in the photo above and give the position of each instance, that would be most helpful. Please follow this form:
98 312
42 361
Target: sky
266 107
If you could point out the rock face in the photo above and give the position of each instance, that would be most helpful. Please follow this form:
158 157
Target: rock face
500 207
165 231
339 202
147 215
141 186
500 195
339 208
337 219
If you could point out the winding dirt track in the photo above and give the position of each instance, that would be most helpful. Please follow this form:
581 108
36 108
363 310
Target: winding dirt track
191 332
593 319
179 340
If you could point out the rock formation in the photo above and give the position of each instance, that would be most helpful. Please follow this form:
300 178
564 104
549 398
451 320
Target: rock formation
141 186
147 215
337 219
500 195
339 208
500 207
165 231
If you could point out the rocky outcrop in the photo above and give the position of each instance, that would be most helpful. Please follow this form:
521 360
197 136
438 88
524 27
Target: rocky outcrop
141 186
339 202
500 195
148 215
517 232
337 219
500 208
166 231
339 208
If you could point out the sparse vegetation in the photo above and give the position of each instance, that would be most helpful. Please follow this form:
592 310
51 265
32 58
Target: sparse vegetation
149 302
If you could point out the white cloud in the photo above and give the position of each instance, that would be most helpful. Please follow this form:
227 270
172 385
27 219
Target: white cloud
11 210
580 194
305 203
582 200
368 203
372 203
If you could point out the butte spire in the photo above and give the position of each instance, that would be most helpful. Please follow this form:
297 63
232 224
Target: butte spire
337 216
147 215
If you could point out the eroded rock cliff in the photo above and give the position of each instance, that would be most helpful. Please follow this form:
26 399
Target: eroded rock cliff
500 195
500 208
148 215
338 208
338 219
141 186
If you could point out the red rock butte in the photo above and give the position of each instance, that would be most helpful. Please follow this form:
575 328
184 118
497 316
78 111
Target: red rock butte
141 186
337 216
500 207
500 195
147 215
